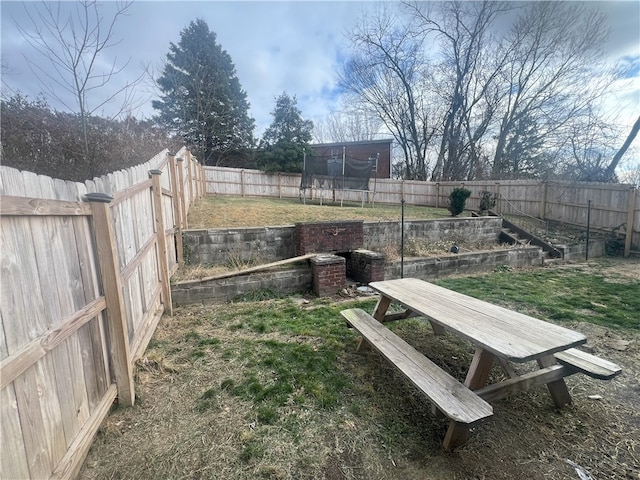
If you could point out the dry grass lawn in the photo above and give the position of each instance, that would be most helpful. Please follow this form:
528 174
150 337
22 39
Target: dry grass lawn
274 389
222 212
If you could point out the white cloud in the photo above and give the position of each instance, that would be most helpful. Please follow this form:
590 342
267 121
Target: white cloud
292 46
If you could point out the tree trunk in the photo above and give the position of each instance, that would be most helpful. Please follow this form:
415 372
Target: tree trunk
608 174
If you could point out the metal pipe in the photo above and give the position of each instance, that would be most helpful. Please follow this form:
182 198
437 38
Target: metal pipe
402 241
588 228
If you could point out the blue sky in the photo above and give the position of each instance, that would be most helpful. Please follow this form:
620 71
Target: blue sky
276 46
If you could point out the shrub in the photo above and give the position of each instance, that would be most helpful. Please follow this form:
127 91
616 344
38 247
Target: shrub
457 200
487 200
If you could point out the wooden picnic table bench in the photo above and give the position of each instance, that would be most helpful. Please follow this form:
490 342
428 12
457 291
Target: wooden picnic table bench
498 334
447 394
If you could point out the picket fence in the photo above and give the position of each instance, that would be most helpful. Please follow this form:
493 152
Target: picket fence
607 207
85 274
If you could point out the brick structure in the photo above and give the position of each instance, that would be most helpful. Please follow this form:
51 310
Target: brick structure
364 266
329 237
328 273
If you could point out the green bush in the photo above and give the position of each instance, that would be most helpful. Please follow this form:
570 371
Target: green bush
457 200
487 200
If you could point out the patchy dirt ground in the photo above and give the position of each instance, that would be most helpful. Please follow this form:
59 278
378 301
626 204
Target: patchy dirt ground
382 429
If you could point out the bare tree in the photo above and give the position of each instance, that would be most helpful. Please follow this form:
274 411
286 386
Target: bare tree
347 125
544 81
466 79
74 41
631 174
610 171
388 76
486 88
586 147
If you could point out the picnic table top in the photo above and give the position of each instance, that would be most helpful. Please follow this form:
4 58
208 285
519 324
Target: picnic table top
503 332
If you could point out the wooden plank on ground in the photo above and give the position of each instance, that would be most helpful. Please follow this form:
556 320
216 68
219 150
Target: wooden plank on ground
251 270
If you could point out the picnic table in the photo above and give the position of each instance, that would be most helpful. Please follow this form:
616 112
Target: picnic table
498 334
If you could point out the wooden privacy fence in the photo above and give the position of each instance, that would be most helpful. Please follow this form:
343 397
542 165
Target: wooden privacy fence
608 207
85 279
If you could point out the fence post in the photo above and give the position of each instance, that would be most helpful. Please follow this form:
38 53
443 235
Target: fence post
176 208
437 194
204 180
112 285
543 205
163 262
199 178
183 207
242 182
630 215
190 178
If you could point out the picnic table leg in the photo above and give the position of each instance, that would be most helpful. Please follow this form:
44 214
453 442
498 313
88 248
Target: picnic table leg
457 435
508 369
437 328
381 308
362 345
480 369
558 389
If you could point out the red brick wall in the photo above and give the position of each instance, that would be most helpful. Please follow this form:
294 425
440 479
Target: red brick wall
329 237
365 266
329 274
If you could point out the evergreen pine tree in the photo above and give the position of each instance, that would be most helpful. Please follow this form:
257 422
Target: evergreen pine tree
284 142
202 99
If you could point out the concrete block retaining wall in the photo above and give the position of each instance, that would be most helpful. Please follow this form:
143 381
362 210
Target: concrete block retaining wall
578 251
430 268
220 246
471 229
227 289
300 279
270 244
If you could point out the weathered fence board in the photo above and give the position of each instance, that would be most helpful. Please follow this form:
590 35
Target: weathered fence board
613 206
81 296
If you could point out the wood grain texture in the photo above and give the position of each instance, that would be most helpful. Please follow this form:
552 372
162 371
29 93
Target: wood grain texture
557 388
70 464
13 365
498 391
54 363
14 460
588 364
117 321
451 397
480 369
503 332
56 258
26 206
